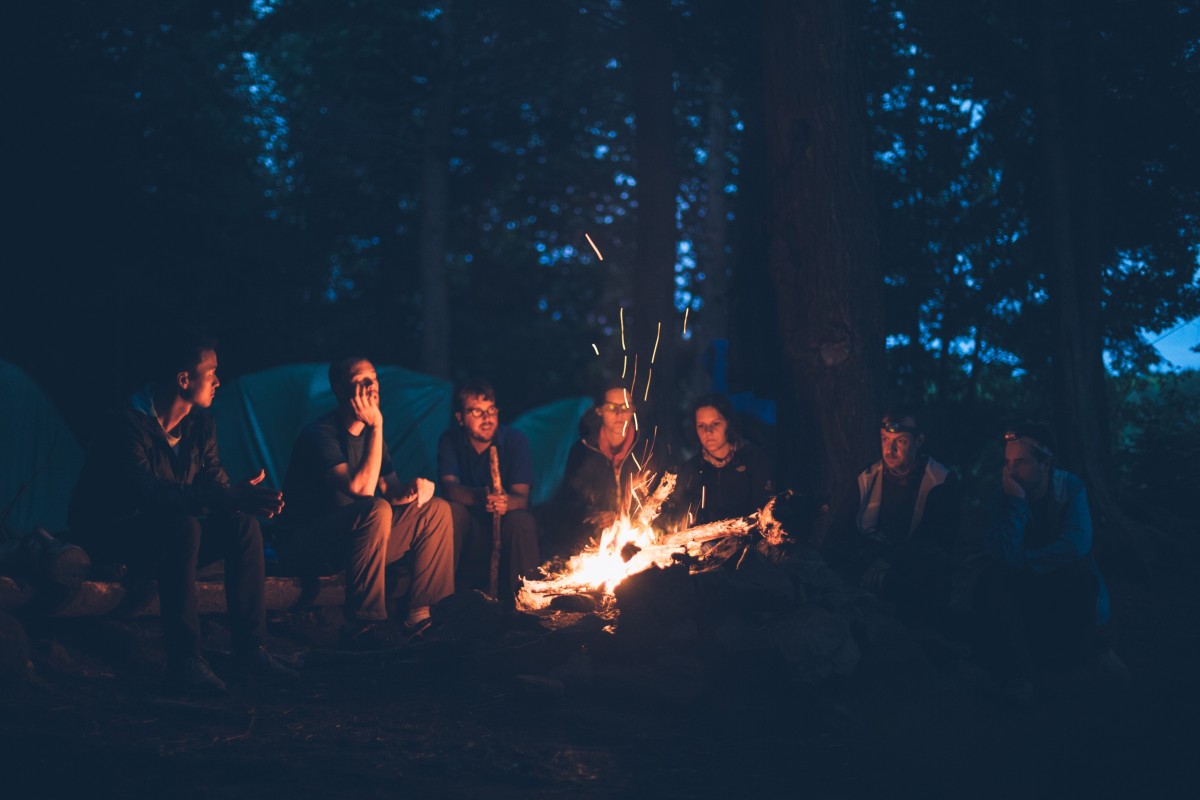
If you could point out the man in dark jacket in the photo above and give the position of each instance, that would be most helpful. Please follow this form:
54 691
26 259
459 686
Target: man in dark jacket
897 525
153 495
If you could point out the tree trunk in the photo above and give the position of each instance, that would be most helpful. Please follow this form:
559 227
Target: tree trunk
1068 153
435 206
713 322
654 276
823 241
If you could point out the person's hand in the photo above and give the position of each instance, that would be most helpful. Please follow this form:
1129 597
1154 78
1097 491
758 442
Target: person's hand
497 503
419 490
872 579
365 404
1010 486
250 497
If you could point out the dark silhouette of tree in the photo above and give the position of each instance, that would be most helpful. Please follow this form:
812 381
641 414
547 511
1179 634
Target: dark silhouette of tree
824 245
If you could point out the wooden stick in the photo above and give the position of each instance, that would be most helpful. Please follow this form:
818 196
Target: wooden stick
497 488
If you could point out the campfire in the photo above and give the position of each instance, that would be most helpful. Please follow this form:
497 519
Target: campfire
629 546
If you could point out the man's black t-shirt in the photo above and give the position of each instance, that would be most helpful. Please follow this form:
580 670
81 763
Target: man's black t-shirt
307 493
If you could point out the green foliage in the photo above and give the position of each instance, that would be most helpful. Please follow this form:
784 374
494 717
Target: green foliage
1158 447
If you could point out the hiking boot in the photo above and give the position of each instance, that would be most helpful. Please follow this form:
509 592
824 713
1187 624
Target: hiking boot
193 675
259 664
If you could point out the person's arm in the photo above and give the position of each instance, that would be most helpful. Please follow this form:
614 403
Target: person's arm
363 479
452 489
1072 544
400 494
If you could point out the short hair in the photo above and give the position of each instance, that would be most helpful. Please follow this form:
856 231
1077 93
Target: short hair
339 372
1044 444
895 412
178 350
724 407
475 387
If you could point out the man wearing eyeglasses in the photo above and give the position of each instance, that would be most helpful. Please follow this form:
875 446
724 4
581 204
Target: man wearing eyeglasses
464 471
351 511
1042 595
897 526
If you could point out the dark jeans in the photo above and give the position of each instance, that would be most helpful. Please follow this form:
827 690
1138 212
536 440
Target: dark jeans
170 547
519 553
364 537
1037 624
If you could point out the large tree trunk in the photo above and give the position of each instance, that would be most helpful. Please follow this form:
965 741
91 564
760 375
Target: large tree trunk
1070 160
435 206
823 241
654 274
713 322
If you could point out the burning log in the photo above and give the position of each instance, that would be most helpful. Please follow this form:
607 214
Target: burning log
626 549
653 505
692 540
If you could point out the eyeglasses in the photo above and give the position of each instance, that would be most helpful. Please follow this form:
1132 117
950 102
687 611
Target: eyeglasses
1013 436
618 408
482 413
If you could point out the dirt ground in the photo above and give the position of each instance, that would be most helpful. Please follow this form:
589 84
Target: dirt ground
532 712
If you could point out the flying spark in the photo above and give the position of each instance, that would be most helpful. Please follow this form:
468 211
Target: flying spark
685 313
649 375
657 336
622 328
597 349
593 244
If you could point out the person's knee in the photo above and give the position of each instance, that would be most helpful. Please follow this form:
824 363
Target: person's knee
438 513
374 513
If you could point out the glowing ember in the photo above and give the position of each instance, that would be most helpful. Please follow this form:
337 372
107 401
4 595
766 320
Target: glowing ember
593 244
597 349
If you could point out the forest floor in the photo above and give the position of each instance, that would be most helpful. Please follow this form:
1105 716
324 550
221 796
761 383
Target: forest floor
537 713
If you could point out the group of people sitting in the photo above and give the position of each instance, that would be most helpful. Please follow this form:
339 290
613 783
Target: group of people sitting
153 495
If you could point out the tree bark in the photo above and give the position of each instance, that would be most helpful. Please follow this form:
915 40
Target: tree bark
824 254
654 145
1069 159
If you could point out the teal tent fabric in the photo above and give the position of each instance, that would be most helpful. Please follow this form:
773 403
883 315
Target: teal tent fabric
260 415
551 429
38 453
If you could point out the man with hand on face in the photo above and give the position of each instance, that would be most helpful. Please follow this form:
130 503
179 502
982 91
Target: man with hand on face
1042 593
464 469
897 526
351 511
153 495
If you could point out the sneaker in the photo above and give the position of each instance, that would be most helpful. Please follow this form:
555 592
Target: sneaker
261 665
413 630
194 676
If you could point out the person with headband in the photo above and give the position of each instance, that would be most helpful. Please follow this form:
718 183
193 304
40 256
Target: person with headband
896 527
1041 594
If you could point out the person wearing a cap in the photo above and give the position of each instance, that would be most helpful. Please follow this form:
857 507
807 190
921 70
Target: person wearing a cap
1042 595
895 529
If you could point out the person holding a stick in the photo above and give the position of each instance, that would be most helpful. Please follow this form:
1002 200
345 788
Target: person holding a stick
486 473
